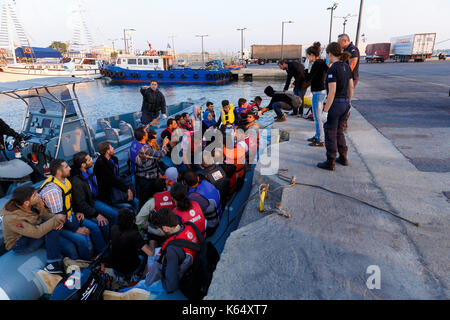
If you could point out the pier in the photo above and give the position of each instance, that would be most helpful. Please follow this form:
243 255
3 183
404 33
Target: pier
258 73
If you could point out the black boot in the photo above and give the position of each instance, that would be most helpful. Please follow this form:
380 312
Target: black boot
327 165
342 160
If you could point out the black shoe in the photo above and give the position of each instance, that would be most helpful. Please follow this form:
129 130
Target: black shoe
313 139
327 165
293 114
342 160
317 144
54 268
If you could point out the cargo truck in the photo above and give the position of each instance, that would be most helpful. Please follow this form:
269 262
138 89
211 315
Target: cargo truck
272 53
416 46
378 52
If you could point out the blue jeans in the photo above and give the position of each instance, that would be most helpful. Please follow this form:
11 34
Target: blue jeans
133 204
26 245
81 242
317 107
108 212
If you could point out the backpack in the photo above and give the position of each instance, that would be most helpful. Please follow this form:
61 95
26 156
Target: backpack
196 280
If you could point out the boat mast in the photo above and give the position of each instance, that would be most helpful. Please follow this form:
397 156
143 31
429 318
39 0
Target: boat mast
11 27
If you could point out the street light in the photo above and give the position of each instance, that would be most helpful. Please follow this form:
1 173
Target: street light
113 41
346 19
332 8
125 38
202 36
282 36
242 41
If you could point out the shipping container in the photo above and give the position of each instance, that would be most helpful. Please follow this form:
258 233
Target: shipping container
416 46
272 53
378 52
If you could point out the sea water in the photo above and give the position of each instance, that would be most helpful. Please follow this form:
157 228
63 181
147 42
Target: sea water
101 98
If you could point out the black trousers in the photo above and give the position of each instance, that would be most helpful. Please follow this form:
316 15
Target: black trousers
334 128
145 189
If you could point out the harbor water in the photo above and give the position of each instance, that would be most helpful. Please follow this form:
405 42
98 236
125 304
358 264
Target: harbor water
101 99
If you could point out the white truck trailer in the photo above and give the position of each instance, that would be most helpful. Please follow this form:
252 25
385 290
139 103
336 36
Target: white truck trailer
416 46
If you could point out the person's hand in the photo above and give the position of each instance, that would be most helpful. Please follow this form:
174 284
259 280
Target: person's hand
130 195
260 113
83 230
61 218
166 141
293 86
102 221
80 216
59 227
324 117
154 122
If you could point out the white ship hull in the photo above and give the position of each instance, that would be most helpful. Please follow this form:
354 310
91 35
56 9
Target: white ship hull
52 72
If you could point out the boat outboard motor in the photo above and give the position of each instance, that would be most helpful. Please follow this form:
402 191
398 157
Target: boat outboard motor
87 284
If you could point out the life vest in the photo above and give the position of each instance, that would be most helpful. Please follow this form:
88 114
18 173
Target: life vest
252 147
208 191
187 234
66 194
194 215
236 157
163 200
228 118
254 124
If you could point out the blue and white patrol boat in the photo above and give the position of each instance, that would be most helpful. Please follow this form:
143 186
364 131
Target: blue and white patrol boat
144 69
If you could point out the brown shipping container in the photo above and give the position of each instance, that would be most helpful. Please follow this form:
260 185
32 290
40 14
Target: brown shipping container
378 51
273 52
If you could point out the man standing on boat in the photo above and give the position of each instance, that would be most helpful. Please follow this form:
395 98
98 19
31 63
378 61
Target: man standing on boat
153 103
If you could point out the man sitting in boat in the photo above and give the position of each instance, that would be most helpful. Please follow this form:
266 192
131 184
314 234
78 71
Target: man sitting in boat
215 174
106 169
28 225
56 193
153 103
85 193
173 261
228 116
186 122
172 125
204 190
129 250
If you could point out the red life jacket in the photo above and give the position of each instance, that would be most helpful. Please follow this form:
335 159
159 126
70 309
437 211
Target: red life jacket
194 215
257 131
187 234
163 200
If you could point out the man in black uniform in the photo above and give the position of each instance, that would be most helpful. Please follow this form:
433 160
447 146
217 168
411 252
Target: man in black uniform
294 70
348 46
154 103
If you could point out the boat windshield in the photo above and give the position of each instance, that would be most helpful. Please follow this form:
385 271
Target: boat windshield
42 104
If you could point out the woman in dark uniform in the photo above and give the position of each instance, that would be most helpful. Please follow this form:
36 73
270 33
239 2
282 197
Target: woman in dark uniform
339 85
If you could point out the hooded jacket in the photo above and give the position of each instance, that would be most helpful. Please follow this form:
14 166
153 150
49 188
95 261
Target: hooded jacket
18 223
286 97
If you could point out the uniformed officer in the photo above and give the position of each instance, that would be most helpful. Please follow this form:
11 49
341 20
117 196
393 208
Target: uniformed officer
353 62
339 85
153 103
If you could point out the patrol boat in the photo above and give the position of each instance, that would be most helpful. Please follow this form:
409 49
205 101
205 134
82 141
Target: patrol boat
144 69
56 128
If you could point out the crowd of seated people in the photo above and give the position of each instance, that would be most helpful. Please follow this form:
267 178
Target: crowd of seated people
83 210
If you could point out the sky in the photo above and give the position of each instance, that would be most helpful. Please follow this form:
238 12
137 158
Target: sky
155 20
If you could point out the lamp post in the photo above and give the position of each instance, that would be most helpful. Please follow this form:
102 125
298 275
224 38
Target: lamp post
282 36
113 41
202 36
346 19
359 22
242 42
125 37
332 8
